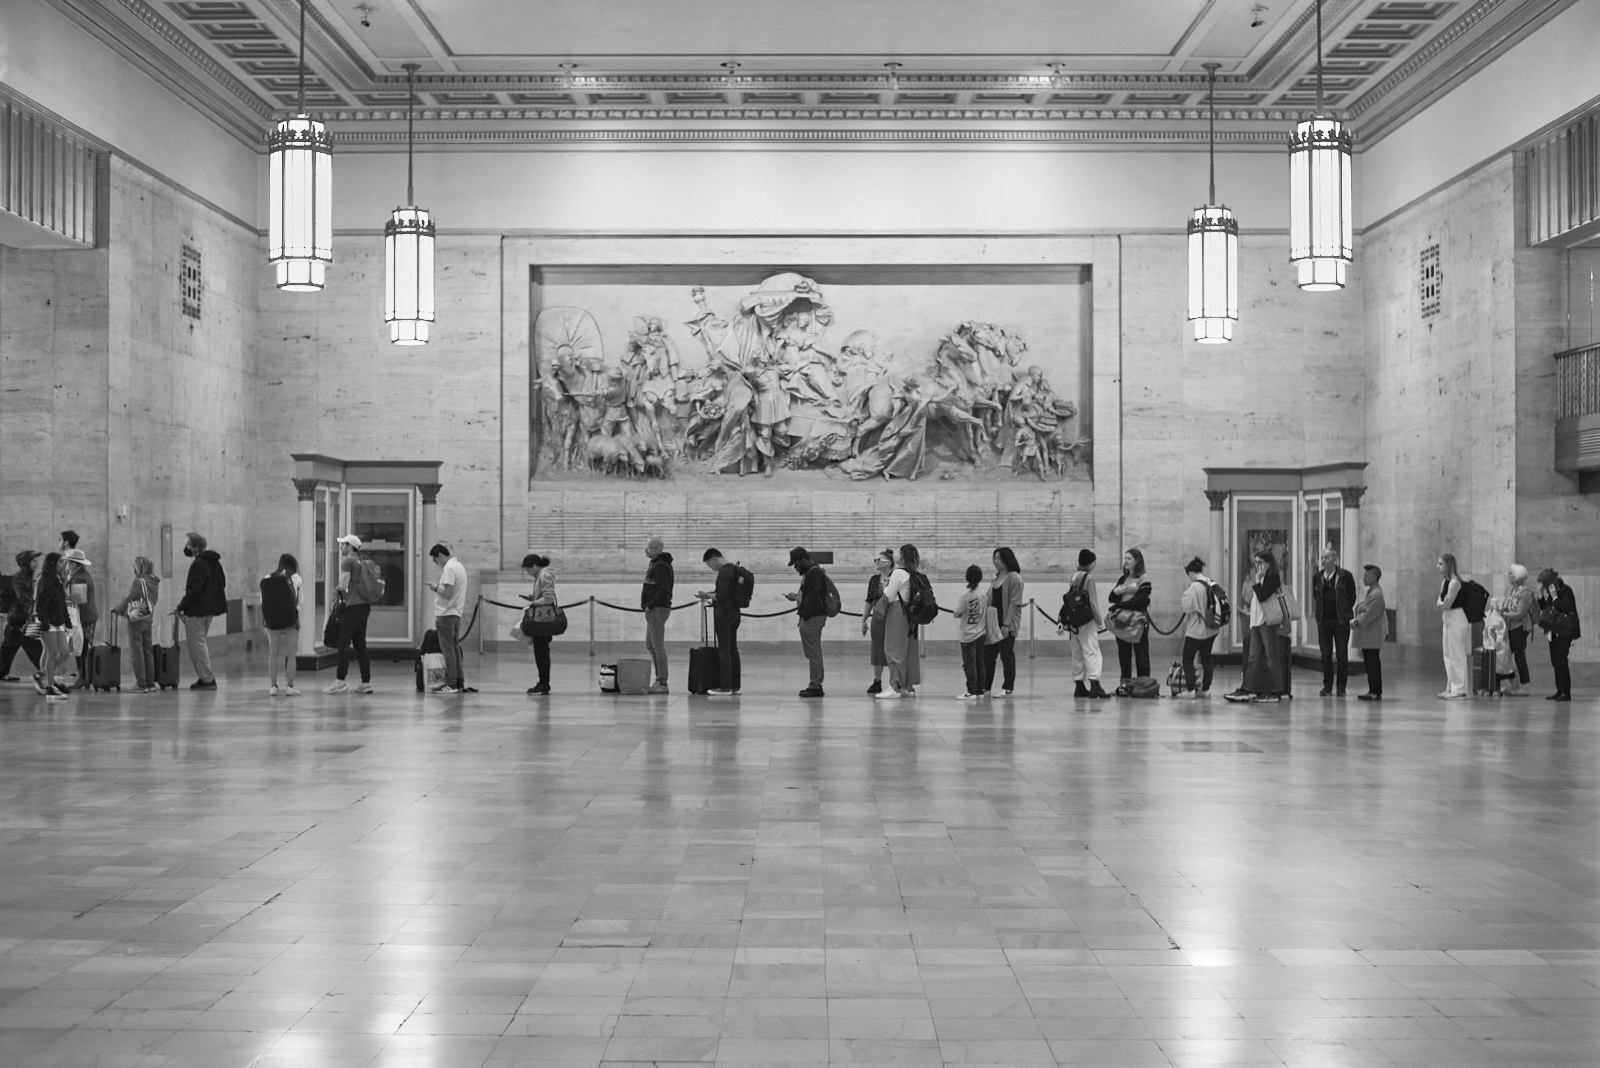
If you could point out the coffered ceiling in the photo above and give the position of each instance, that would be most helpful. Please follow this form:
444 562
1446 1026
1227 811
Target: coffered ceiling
526 72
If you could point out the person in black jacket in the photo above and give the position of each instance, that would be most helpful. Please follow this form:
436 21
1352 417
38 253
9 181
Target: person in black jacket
19 608
725 617
811 604
1132 594
50 606
205 596
1333 603
656 600
1558 605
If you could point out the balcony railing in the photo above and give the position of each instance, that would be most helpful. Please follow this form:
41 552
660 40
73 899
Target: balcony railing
1578 382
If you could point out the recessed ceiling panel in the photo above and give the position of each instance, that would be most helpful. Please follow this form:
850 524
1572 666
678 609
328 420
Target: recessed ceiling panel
813 28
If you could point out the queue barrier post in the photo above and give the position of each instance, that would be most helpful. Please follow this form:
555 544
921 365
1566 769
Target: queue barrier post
1030 629
591 624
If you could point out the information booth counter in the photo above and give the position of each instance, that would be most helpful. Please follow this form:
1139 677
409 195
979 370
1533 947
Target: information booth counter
1295 513
391 505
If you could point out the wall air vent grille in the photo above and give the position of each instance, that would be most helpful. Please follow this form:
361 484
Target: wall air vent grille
190 285
1430 278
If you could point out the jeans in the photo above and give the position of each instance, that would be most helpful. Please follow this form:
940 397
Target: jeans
973 665
1202 646
448 628
1263 666
1134 654
1004 651
811 645
1334 639
140 653
541 660
1559 647
1519 653
655 639
1087 660
195 630
15 642
727 625
1374 664
353 632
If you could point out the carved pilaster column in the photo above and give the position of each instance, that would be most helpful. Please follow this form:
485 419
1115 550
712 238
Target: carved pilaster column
1218 566
1351 496
306 644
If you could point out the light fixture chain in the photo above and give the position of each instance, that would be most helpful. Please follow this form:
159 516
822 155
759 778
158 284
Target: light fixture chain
411 108
1211 106
1319 56
300 107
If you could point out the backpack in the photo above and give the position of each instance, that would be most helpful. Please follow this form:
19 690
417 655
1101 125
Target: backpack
1472 599
921 606
278 610
1219 613
1144 686
830 599
371 584
744 586
1077 606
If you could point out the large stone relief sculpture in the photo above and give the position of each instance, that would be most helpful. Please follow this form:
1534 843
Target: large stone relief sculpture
771 394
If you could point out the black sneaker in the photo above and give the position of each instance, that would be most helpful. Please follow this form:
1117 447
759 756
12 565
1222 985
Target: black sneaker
876 687
203 684
812 691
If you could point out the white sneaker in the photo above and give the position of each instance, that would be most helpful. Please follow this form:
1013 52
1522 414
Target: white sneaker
338 687
887 695
272 691
365 687
721 693
965 696
290 691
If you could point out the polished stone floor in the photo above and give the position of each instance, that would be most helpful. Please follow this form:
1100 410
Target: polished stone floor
224 879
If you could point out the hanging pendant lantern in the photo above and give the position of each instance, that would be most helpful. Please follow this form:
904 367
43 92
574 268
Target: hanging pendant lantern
300 193
1213 254
408 253
1321 242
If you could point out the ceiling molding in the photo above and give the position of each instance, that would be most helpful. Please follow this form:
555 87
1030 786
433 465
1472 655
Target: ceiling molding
714 135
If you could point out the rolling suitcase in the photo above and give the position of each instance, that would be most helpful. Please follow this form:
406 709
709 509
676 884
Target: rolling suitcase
1286 651
166 657
705 665
1485 673
103 663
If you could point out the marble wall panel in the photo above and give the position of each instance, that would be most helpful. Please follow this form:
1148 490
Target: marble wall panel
1441 399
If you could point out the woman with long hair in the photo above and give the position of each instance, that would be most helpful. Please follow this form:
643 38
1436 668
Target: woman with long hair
1005 597
50 608
872 616
899 636
1559 617
282 644
1457 632
538 568
1132 594
1264 666
139 609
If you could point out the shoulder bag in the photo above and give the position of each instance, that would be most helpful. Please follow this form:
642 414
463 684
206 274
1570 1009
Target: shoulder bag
140 608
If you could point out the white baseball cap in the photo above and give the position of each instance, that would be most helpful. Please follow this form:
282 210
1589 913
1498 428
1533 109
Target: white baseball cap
350 540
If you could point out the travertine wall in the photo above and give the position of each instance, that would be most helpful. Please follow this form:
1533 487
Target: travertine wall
111 398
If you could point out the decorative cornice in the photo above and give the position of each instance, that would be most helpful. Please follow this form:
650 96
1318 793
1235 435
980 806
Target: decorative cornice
181 43
714 135
1424 55
824 114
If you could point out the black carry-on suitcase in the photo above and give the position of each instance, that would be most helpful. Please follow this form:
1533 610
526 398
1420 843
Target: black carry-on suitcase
705 664
1485 677
1286 652
103 662
166 658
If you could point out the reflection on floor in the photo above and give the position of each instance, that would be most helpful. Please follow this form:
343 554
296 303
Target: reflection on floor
225 879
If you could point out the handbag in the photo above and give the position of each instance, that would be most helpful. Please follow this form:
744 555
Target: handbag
1127 624
74 631
330 632
1556 623
1273 611
544 621
992 632
880 609
140 609
32 628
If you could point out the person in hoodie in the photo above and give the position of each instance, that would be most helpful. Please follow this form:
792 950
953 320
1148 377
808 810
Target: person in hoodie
205 596
139 609
79 581
19 609
656 600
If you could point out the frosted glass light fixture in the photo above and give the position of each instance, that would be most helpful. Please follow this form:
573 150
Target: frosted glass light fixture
1321 245
408 252
300 193
1213 252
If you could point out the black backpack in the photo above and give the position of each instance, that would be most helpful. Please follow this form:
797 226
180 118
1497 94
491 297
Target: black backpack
1077 605
921 606
1219 613
278 610
831 602
744 586
1472 599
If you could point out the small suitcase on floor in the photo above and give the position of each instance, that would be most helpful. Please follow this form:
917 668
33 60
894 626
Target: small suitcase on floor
166 659
103 663
1286 652
705 663
1485 673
